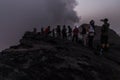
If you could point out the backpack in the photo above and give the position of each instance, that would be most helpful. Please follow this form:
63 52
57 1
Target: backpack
83 31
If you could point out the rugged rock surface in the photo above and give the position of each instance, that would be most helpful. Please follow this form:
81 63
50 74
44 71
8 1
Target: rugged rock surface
45 58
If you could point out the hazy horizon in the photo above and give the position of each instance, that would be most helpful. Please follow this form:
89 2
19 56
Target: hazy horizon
18 16
98 9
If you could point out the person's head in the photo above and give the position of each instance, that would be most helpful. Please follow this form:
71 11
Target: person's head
42 29
49 27
34 30
58 26
76 27
104 20
64 26
92 22
68 26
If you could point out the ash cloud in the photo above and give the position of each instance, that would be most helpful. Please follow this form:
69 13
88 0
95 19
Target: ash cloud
17 16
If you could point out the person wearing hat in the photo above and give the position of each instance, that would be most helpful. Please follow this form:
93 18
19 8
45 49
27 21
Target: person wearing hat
104 34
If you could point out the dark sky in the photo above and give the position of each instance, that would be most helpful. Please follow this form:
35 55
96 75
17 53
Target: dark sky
18 16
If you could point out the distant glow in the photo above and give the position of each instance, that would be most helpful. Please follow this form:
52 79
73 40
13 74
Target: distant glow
86 7
97 9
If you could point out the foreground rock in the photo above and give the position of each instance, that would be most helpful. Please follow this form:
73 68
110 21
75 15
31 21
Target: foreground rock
45 58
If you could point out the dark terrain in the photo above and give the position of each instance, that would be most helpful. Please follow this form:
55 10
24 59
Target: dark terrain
46 58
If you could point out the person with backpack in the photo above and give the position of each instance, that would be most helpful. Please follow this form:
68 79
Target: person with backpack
104 35
64 32
75 34
91 33
84 33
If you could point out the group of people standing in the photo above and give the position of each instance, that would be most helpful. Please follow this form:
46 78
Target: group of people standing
87 31
66 32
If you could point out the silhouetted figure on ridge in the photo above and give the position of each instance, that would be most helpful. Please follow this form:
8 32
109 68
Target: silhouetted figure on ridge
84 33
53 32
91 33
75 34
104 34
42 30
58 31
34 30
47 31
64 32
69 32
34 33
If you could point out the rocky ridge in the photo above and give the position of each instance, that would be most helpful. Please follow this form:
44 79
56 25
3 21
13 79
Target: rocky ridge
38 57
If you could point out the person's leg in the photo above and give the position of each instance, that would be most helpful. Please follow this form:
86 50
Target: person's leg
92 38
65 35
86 39
102 45
59 34
69 36
76 38
83 39
62 36
89 41
73 37
106 43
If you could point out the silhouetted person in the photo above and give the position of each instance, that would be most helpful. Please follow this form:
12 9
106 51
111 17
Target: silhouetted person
84 33
69 32
34 30
75 34
47 31
91 33
58 31
42 30
53 32
104 34
64 32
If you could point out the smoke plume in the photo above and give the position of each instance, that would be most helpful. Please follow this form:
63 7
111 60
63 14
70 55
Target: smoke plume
17 16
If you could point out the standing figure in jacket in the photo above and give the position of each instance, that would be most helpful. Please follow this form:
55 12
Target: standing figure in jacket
64 32
58 31
91 33
47 31
34 30
75 34
69 32
42 30
84 33
104 34
53 32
